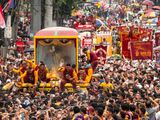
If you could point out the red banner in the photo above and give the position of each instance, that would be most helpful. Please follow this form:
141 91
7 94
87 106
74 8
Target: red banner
135 34
157 38
101 51
142 30
141 50
142 33
84 27
121 28
125 46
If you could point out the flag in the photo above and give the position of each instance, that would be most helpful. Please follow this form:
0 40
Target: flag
125 47
2 21
141 50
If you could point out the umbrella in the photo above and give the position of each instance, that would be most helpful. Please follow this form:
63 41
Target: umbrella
154 20
156 8
149 11
99 22
148 2
150 14
135 4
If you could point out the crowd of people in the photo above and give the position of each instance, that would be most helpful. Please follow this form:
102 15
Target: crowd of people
118 90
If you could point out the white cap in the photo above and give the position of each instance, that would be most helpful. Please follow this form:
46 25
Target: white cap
8 80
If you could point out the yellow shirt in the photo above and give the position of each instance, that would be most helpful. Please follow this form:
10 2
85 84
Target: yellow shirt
75 75
107 85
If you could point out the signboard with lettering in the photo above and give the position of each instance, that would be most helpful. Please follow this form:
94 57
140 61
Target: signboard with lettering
141 50
87 42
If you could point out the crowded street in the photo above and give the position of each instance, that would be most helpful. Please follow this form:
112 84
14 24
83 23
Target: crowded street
79 60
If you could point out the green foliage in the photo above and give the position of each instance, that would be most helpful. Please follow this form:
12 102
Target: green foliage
61 2
71 4
64 7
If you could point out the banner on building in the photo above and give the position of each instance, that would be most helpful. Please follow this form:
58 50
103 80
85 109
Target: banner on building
141 50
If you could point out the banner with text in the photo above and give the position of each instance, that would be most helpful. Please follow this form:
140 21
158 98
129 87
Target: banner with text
125 46
87 42
141 50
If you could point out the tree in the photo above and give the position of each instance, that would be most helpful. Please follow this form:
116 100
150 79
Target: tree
48 13
59 9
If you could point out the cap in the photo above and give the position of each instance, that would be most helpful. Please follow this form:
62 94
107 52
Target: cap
8 80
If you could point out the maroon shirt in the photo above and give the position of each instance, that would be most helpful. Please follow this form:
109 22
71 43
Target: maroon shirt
67 72
30 77
93 57
23 69
42 75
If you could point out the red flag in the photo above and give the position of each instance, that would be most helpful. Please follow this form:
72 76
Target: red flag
102 49
2 21
141 50
125 47
124 37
